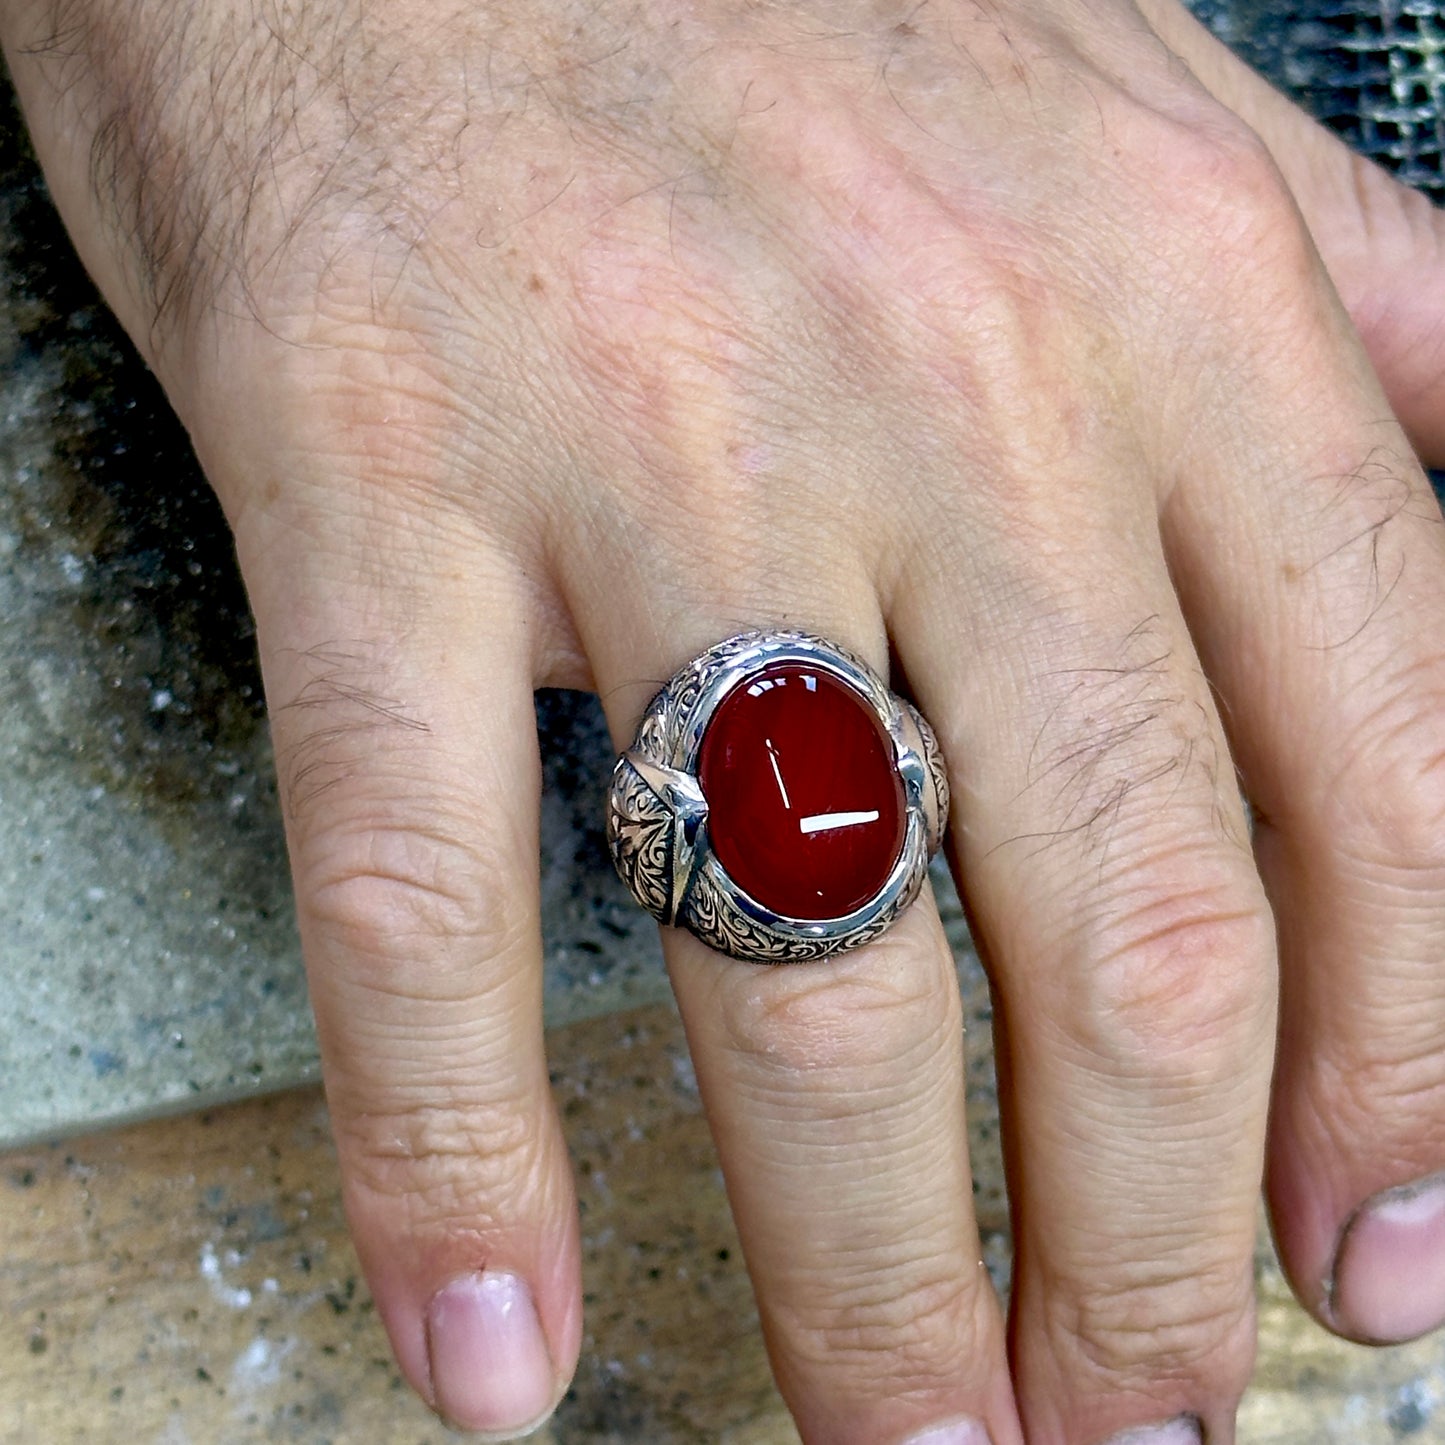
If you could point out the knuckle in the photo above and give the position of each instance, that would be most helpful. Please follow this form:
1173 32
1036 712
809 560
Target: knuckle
381 891
1184 1324
656 343
883 1339
1166 936
1222 201
652 333
471 1161
848 1026
1179 970
386 845
378 408
1226 172
1227 162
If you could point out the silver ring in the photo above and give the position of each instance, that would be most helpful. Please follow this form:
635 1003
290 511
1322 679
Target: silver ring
661 822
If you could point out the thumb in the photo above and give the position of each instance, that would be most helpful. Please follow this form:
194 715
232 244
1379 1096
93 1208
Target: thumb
1382 243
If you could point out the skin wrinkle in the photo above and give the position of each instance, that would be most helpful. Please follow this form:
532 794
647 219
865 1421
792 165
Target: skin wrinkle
395 892
437 1132
409 421
1343 1081
887 1344
1121 1338
464 1184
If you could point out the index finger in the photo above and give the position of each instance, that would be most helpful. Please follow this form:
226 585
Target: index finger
401 693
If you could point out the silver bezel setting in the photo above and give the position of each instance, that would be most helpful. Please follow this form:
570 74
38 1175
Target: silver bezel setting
657 814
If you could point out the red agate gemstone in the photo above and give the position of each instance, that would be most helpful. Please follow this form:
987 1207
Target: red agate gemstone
805 805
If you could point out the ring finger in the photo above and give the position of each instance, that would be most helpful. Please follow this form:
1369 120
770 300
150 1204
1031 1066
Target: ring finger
835 1095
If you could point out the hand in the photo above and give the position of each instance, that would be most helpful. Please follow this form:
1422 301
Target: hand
537 344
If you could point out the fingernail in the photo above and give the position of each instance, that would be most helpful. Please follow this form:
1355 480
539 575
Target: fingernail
1389 1276
490 1367
1182 1430
955 1432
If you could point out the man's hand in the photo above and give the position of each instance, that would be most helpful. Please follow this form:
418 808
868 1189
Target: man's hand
543 343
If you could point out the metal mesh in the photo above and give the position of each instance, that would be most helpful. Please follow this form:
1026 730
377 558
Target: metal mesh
1382 84
1373 70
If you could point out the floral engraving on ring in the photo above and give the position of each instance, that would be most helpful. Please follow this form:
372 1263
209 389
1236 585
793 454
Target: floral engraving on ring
639 835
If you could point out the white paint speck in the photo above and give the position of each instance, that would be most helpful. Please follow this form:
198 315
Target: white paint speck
258 1366
237 1299
683 1075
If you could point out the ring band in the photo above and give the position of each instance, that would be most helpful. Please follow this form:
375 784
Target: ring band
778 800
